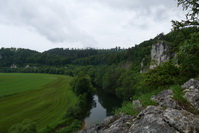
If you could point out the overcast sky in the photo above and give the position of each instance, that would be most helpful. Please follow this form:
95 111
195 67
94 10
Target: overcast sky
44 24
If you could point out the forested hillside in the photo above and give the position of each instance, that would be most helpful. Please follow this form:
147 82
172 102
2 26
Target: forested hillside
116 71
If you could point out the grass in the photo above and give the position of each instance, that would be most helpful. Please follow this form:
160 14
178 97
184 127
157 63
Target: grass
145 99
127 108
178 96
42 98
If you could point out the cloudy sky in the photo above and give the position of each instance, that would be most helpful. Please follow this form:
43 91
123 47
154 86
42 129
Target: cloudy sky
44 24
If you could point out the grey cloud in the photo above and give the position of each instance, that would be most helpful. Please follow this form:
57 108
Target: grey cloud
144 7
48 18
89 22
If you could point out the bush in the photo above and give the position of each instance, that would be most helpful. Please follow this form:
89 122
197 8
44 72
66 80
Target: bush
82 85
164 75
26 126
188 57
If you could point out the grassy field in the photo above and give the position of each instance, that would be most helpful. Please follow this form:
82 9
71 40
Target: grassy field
42 98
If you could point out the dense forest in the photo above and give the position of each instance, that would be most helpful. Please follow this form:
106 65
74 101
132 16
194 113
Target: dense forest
116 71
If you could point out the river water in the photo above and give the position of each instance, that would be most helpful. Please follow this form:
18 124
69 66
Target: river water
104 106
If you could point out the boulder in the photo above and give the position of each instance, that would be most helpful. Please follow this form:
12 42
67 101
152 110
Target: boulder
164 99
191 89
182 121
150 120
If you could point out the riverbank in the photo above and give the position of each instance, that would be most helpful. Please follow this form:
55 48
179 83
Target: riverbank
171 115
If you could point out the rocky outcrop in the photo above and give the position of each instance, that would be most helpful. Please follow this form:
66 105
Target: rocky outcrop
13 66
159 54
191 89
144 68
164 99
182 120
167 117
112 124
151 120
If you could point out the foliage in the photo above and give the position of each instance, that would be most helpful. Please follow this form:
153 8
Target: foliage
128 84
192 6
188 57
82 85
145 98
178 93
26 126
178 96
164 75
73 127
74 116
127 108
110 79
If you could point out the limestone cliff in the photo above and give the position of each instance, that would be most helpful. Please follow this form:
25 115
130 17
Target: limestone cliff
168 117
159 54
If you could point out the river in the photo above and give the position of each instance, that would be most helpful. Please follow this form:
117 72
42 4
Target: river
104 106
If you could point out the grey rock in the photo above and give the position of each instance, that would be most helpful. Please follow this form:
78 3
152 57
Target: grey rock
159 54
191 89
143 67
137 105
156 119
120 126
150 120
182 120
164 99
150 110
191 82
109 120
151 123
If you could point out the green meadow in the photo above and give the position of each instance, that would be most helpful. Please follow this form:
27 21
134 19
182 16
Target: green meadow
42 98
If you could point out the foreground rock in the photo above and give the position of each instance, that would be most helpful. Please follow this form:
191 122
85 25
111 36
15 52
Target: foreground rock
191 89
167 117
164 99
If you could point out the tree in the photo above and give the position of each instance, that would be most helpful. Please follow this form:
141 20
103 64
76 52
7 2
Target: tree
192 6
82 85
188 57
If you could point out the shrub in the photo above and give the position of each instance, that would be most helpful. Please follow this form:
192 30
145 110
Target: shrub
26 126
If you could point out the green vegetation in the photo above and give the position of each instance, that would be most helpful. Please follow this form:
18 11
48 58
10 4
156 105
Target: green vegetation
83 88
48 100
16 83
178 96
44 101
144 98
26 126
192 8
127 108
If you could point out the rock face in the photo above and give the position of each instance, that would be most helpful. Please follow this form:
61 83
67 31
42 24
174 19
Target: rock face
164 99
159 54
143 67
191 89
151 120
167 117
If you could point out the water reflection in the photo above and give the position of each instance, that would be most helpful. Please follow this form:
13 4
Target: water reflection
109 102
97 113
103 106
